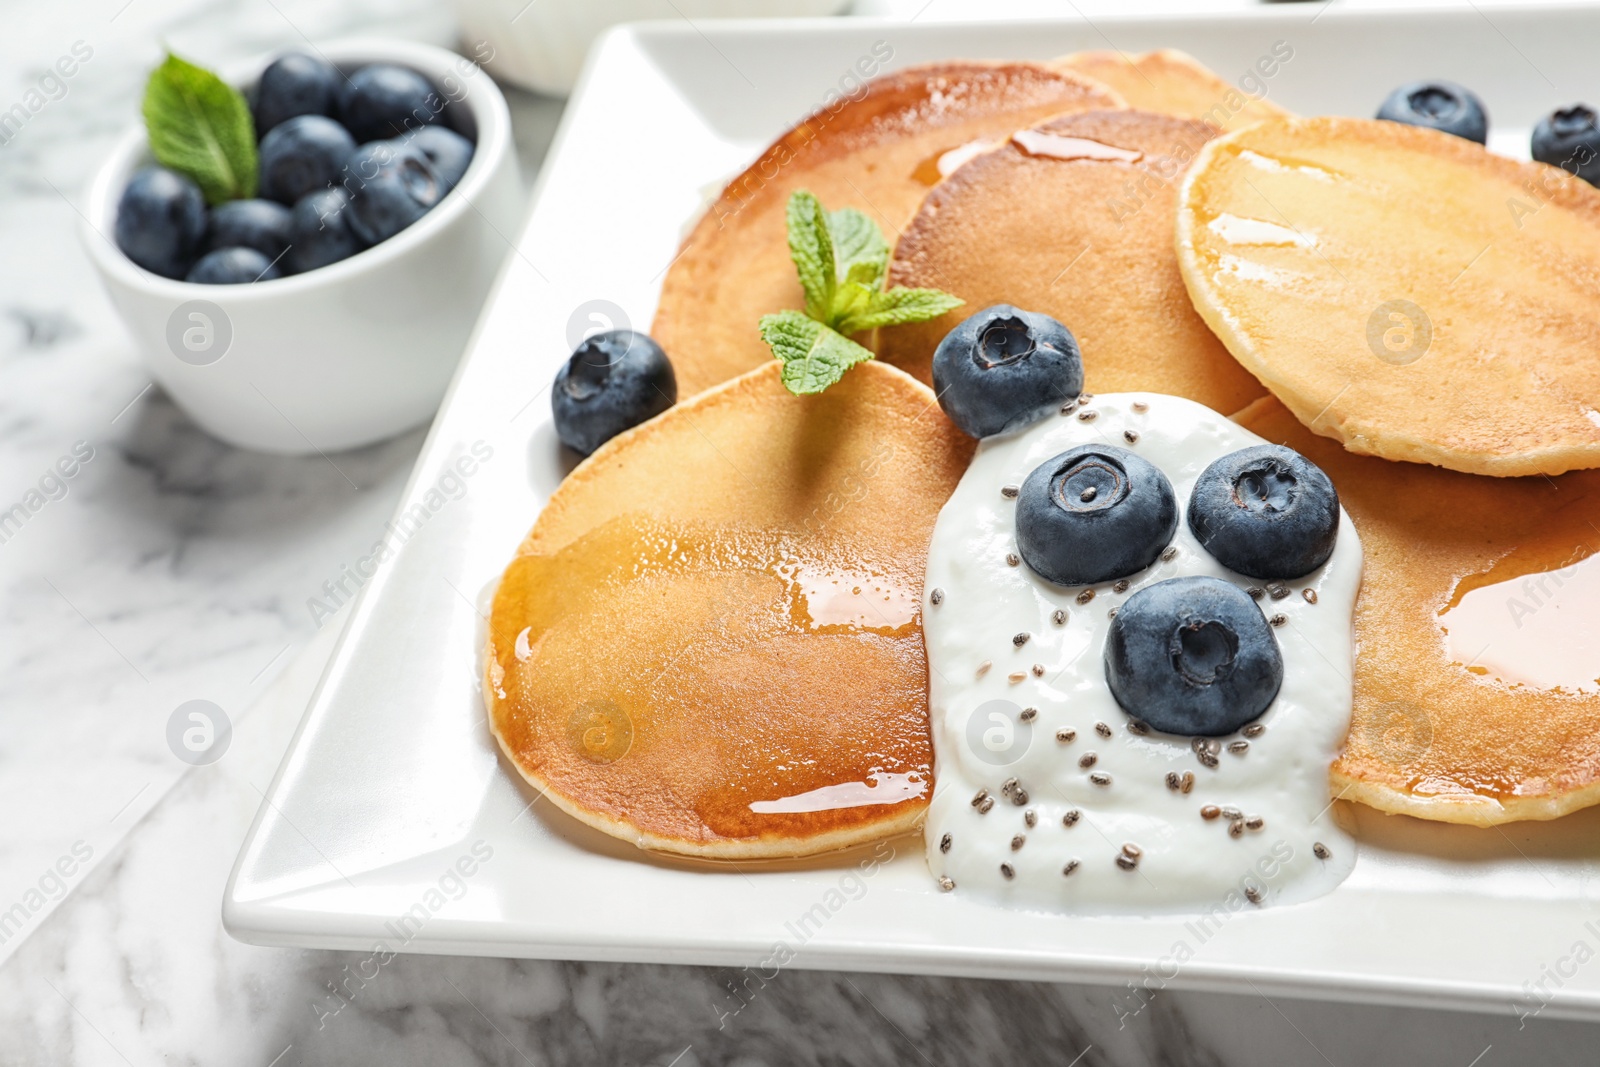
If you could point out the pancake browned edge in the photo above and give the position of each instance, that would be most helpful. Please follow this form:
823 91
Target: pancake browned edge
1175 83
715 624
1088 241
1428 737
1404 291
864 152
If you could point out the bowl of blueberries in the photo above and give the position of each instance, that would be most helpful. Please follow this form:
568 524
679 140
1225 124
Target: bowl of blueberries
302 250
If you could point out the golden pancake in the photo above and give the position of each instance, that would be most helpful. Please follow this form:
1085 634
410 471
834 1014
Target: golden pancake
1172 83
711 641
1404 291
1086 240
878 152
1444 726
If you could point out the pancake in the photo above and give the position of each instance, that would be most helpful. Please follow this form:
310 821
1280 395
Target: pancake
1088 241
711 643
1453 720
1404 291
1172 83
878 152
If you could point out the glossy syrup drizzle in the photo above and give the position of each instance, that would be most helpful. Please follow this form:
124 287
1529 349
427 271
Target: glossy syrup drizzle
1537 629
749 678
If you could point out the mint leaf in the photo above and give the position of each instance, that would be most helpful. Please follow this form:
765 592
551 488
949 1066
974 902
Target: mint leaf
811 248
859 247
200 126
842 259
898 305
814 356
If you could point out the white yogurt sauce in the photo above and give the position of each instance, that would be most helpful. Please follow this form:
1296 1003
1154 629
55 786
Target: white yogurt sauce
1000 708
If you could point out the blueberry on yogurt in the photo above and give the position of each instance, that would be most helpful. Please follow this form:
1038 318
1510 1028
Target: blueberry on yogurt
1568 138
1094 513
1438 105
1193 656
613 381
1265 512
1004 368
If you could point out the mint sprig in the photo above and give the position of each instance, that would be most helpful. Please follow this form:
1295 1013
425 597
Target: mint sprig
200 126
842 260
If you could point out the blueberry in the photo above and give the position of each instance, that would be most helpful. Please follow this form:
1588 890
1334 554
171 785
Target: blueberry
383 101
1567 138
293 85
448 151
391 185
1094 513
1443 106
1265 512
319 230
258 224
232 266
303 155
1192 656
613 381
161 218
1004 368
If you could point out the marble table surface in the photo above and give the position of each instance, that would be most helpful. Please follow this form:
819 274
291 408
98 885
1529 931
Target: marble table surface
172 568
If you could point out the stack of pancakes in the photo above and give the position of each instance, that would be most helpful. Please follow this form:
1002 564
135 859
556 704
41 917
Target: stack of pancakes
670 656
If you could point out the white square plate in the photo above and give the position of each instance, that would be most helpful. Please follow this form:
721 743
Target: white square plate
378 824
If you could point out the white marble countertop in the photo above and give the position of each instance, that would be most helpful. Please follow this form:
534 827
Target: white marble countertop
175 568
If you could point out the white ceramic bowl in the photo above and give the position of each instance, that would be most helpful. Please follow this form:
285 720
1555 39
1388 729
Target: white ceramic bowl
541 44
349 353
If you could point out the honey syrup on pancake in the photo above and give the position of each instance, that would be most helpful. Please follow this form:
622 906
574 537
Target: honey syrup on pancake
1530 622
754 681
943 163
1038 143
